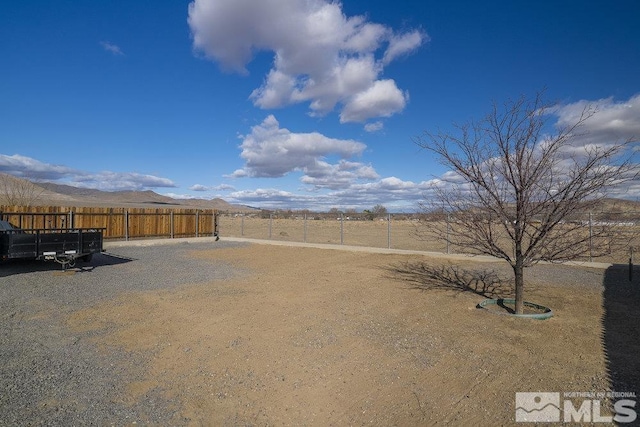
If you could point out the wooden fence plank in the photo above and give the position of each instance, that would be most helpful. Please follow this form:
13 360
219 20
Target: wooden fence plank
143 222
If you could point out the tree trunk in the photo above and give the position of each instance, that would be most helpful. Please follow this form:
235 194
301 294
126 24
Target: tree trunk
518 271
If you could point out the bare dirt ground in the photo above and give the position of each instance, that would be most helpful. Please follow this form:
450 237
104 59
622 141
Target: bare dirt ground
397 234
309 336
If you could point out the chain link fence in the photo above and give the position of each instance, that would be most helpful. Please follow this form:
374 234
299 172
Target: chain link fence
412 231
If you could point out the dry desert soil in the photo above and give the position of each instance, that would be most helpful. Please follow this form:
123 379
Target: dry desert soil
308 336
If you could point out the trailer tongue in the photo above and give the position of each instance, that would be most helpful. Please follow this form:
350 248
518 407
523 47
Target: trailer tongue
63 246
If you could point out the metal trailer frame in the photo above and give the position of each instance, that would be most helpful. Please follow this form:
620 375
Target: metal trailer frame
63 246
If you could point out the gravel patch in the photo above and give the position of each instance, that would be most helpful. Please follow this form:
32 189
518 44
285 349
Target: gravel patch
51 375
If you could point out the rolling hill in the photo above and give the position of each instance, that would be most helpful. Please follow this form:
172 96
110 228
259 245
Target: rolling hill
46 193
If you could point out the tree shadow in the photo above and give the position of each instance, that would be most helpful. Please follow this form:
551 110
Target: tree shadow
22 266
484 282
621 328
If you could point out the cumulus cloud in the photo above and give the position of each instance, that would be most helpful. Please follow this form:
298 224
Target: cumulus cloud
374 127
605 124
341 175
29 168
614 121
356 185
382 99
112 48
198 187
271 151
321 56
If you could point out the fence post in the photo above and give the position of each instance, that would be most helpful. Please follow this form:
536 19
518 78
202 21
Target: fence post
341 228
389 231
590 237
448 231
171 222
126 225
71 224
197 222
631 263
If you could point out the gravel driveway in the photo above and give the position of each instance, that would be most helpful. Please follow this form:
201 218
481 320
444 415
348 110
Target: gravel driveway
51 375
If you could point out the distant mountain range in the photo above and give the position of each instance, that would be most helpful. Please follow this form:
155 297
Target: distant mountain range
67 195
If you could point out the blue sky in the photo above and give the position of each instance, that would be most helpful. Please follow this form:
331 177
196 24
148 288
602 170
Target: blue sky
287 103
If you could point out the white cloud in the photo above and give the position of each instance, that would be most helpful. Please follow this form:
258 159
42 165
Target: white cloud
276 92
403 44
113 181
221 187
321 56
271 151
179 196
238 173
269 197
391 192
347 184
606 124
614 121
262 193
374 127
199 187
29 168
389 189
383 99
110 47
341 175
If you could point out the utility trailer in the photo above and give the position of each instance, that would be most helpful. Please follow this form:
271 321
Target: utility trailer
61 245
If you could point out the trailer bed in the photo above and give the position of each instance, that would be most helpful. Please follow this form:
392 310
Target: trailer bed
60 245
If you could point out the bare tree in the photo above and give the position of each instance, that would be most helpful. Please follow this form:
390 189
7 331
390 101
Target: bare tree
376 211
17 191
512 189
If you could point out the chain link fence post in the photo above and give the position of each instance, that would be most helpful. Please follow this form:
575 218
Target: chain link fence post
448 232
389 231
590 237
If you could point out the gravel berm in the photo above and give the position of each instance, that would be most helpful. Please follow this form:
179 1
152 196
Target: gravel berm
50 375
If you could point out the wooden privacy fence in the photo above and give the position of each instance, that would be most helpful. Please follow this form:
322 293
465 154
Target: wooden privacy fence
118 223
